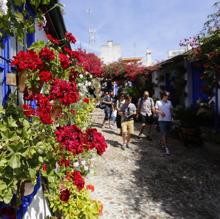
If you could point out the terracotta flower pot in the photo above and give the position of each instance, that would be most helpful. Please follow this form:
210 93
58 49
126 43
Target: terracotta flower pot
56 111
21 81
22 86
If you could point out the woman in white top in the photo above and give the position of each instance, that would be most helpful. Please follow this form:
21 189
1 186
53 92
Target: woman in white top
164 109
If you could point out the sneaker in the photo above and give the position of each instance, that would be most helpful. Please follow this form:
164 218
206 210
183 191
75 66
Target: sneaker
127 145
167 151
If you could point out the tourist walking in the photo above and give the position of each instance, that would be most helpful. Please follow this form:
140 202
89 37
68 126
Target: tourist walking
107 103
164 109
120 101
145 111
127 112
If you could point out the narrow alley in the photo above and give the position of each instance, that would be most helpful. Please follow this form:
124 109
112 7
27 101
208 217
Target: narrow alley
141 182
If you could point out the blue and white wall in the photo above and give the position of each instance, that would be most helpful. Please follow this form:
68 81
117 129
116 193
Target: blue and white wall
34 204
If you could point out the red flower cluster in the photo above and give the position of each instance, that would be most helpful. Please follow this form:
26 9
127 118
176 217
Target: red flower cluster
64 162
65 92
64 60
27 60
45 76
70 37
44 109
64 195
44 167
71 138
90 187
90 63
28 110
86 100
73 75
53 40
47 54
95 140
78 180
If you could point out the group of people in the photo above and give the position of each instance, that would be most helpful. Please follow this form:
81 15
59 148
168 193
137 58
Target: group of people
124 112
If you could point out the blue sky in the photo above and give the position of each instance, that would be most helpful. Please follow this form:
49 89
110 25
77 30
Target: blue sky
136 24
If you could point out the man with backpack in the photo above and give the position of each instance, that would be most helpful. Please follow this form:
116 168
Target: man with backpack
146 113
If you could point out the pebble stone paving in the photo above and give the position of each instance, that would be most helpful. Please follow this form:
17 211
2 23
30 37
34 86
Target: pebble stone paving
142 183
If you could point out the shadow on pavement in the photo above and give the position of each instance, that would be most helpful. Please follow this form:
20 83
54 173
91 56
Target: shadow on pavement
185 185
113 143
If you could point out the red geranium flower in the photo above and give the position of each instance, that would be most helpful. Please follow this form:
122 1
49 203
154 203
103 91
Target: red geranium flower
78 180
53 40
71 138
90 187
69 36
44 167
64 60
45 76
44 109
28 110
86 100
65 92
64 195
27 60
47 54
94 139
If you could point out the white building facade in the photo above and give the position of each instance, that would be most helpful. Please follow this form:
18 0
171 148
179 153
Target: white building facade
110 52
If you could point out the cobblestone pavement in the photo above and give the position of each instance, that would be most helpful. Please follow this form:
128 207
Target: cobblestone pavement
141 182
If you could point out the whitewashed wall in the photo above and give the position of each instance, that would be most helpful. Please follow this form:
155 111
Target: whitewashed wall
38 208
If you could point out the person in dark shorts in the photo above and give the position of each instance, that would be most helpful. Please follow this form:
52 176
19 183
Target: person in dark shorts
164 109
145 113
107 102
119 103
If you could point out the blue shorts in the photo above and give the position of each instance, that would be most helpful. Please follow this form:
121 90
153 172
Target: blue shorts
108 113
164 127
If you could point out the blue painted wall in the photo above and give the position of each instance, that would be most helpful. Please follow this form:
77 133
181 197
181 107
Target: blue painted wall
197 85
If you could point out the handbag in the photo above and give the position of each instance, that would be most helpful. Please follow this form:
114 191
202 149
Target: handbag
102 106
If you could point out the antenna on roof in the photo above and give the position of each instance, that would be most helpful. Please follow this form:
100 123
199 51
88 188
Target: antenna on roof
91 31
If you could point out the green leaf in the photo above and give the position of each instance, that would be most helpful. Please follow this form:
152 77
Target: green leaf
19 17
3 162
38 45
40 159
14 162
19 2
32 173
8 196
12 123
26 124
2 111
3 186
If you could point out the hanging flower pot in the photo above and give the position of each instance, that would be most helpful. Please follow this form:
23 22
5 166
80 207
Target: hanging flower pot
56 111
21 81
37 89
22 76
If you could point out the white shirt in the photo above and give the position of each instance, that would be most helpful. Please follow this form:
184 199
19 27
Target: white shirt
146 106
165 107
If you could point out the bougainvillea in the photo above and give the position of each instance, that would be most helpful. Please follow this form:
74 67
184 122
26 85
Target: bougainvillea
90 62
123 71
